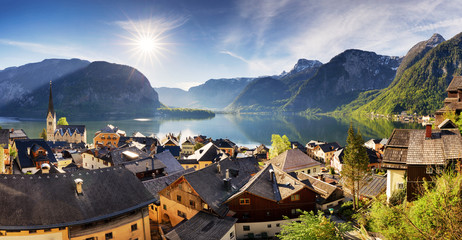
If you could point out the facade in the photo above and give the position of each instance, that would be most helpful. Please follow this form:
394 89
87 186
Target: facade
5 164
294 160
187 147
85 205
226 145
68 133
328 195
325 152
205 156
32 153
108 137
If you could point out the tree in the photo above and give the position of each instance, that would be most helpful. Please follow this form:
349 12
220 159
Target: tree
43 134
355 164
62 121
278 145
312 226
437 214
198 145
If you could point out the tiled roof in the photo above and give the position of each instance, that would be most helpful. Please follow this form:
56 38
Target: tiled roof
292 160
4 137
155 185
144 165
170 162
455 84
18 133
209 152
326 191
329 147
224 143
80 129
209 184
203 226
51 201
374 185
282 186
118 157
25 160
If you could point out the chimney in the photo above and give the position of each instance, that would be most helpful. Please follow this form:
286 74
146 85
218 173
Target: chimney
428 131
78 185
218 168
227 174
45 168
227 183
271 172
28 151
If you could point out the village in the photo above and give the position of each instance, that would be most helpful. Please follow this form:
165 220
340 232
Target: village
162 187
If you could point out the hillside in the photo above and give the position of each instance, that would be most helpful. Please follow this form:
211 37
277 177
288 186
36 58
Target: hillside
17 82
99 90
342 79
422 87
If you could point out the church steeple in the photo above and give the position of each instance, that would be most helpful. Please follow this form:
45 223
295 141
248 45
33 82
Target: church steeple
50 103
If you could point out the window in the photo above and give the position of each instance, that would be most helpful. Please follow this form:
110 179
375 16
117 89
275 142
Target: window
192 204
47 230
181 214
314 170
108 236
429 170
178 198
165 207
278 224
90 238
400 185
231 235
180 186
134 227
295 197
294 211
32 231
246 228
244 201
269 225
308 171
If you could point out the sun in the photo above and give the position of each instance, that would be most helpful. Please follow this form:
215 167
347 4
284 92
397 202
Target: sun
147 45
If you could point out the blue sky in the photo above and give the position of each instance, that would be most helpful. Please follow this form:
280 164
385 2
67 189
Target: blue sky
198 40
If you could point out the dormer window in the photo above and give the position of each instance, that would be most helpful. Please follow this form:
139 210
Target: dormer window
429 170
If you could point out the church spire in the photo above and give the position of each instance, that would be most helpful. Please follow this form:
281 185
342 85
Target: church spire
50 103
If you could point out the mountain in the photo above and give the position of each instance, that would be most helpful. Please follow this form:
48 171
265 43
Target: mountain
342 79
262 94
213 94
269 93
99 90
421 88
17 82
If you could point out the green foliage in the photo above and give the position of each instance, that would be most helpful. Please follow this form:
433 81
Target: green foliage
186 112
62 121
43 134
198 145
312 226
437 214
278 145
13 152
355 163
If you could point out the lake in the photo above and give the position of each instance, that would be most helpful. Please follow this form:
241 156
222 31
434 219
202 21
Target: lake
245 130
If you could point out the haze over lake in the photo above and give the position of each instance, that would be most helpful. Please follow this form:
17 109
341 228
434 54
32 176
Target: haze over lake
246 130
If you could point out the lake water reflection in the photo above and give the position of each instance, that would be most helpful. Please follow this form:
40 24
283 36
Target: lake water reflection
247 130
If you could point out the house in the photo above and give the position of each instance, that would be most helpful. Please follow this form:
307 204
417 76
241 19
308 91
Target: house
202 139
299 146
5 165
187 147
376 144
328 195
154 186
453 102
204 226
172 165
311 146
147 144
16 134
337 160
108 136
325 152
204 156
80 205
294 160
170 140
261 152
205 189
174 150
68 133
226 146
412 155
261 204
32 153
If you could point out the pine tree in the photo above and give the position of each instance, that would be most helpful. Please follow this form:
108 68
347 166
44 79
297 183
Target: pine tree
355 164
43 134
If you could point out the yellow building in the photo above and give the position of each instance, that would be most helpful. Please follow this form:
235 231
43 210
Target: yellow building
79 206
107 136
187 147
294 160
203 157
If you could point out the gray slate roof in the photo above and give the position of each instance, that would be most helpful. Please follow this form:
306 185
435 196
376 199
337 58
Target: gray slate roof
209 152
18 133
292 160
50 201
209 184
327 192
79 129
143 165
24 159
374 185
118 157
202 226
172 165
155 185
455 84
4 137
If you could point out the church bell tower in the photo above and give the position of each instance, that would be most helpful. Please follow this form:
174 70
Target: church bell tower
51 118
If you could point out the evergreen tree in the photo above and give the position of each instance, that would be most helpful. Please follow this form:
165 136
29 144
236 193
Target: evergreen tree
355 164
43 134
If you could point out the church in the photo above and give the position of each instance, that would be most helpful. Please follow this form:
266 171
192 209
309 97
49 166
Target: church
68 133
